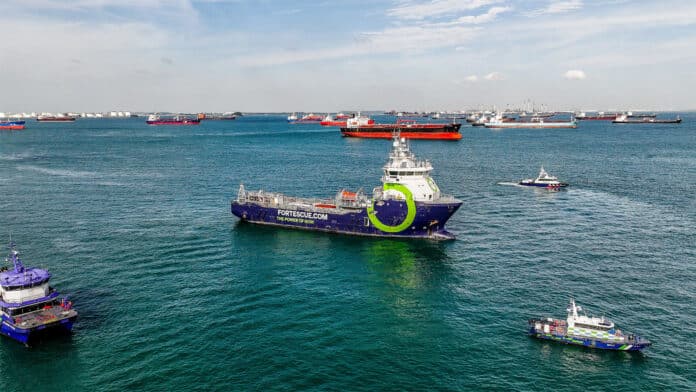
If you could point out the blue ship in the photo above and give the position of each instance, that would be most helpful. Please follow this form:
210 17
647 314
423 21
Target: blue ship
29 307
581 330
409 204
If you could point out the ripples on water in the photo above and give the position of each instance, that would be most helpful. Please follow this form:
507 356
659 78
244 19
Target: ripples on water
175 294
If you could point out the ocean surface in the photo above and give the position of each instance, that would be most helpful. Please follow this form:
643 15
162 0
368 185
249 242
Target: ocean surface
175 294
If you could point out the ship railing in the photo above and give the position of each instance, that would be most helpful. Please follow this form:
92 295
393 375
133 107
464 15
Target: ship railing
278 200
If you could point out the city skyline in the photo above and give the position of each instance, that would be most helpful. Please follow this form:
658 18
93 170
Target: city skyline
269 56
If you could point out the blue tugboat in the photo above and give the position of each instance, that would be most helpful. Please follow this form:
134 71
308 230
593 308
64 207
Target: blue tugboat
28 305
581 330
408 204
544 180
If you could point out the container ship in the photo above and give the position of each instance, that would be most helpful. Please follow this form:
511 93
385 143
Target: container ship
409 204
409 129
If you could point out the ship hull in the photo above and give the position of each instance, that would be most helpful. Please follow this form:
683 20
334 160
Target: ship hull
587 342
513 125
408 131
537 185
428 222
647 122
25 336
596 118
173 122
12 125
333 123
56 119
427 135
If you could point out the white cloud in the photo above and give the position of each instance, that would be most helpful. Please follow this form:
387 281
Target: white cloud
558 7
471 78
390 40
483 18
494 76
436 8
575 74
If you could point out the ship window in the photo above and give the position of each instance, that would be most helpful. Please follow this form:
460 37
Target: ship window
393 173
591 326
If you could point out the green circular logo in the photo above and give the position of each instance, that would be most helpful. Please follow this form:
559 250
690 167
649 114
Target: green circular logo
410 213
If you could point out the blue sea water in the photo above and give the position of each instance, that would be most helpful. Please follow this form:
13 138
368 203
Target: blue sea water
174 294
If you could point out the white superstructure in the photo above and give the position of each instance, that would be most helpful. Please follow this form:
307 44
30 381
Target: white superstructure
404 169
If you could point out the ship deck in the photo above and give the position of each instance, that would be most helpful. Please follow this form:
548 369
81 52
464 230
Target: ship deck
43 317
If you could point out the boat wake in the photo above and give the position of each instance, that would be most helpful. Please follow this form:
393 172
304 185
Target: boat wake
58 172
510 184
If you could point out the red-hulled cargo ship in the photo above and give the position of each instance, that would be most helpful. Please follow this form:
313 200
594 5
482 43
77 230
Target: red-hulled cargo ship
309 118
409 129
12 125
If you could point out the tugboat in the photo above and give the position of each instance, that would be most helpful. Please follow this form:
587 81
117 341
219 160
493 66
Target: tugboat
581 330
408 204
28 305
544 180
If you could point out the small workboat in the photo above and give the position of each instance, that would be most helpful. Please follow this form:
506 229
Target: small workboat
544 180
29 306
582 330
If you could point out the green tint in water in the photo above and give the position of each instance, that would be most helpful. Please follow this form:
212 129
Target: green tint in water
174 294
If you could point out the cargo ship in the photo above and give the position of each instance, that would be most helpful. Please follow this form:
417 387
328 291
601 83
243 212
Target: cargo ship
12 125
534 123
343 122
409 204
57 118
29 306
582 330
626 119
409 129
155 119
307 119
599 116
216 116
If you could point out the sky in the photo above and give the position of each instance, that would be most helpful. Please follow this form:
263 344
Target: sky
325 56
